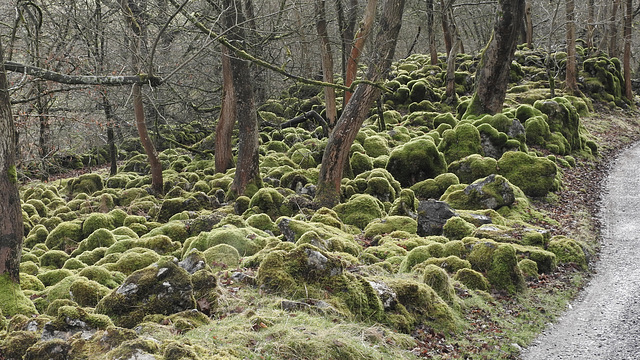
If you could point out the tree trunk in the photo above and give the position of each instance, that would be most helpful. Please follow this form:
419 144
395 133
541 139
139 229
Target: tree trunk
571 78
628 91
133 18
327 62
528 25
358 46
11 226
446 28
247 170
492 76
224 129
108 113
433 51
451 70
337 151
613 30
591 19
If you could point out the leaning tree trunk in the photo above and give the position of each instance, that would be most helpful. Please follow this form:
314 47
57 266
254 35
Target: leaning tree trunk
571 84
358 46
247 167
11 226
337 150
327 62
628 91
492 76
227 119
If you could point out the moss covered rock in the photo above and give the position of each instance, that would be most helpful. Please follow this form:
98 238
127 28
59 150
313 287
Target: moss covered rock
416 160
492 192
461 141
473 167
360 210
66 235
247 241
472 279
533 175
568 251
162 288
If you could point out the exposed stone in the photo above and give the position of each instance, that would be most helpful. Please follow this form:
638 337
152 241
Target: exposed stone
432 215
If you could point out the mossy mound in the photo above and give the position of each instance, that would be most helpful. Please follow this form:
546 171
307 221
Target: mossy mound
472 279
360 210
310 272
162 288
416 160
461 141
269 201
389 224
13 300
533 175
65 235
500 263
568 251
247 241
87 183
473 167
434 188
492 192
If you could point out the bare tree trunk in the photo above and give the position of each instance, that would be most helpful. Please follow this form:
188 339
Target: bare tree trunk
337 151
11 226
358 46
628 91
571 76
433 51
108 113
446 27
528 25
133 17
451 70
247 170
591 19
327 62
492 76
613 29
228 114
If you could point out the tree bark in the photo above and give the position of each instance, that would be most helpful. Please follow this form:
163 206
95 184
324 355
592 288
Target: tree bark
132 15
247 170
358 46
341 138
571 76
11 226
113 154
528 25
628 91
492 76
227 119
591 17
450 89
82 80
446 28
613 29
327 62
433 51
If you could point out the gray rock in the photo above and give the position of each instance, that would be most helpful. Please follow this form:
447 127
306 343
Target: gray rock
432 215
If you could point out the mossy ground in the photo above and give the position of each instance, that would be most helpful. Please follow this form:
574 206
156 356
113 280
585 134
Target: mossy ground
279 278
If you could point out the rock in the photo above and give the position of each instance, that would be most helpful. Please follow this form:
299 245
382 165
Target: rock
492 192
385 293
161 288
432 215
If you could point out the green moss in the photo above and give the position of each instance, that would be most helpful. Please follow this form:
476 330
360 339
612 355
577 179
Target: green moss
52 309
504 273
99 238
492 192
102 276
375 146
534 176
419 304
97 221
450 263
327 217
53 259
247 241
52 277
333 244
132 260
385 251
389 224
222 256
29 267
568 251
416 160
529 269
461 141
87 183
16 343
434 188
12 299
405 204
456 228
65 235
91 257
420 254
438 279
12 174
360 210
472 279
87 292
67 314
30 282
125 232
360 163
270 202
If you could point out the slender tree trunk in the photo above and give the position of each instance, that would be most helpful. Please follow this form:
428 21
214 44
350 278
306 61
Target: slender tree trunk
224 129
133 17
247 170
108 113
571 76
433 51
327 63
450 89
528 24
358 45
591 19
337 151
492 76
11 226
613 29
446 27
628 91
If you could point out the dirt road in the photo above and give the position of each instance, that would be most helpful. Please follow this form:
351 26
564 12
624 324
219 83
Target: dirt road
604 322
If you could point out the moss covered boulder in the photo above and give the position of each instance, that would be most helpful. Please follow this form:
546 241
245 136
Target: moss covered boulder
500 263
270 202
247 241
473 167
162 288
492 192
416 160
360 210
434 188
461 141
535 176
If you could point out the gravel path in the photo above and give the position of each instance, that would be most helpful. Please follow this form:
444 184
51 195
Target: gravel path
604 322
